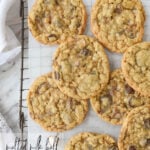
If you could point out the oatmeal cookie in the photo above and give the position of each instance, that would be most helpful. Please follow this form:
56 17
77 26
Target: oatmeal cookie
118 24
53 110
135 132
81 67
136 67
91 141
53 21
117 100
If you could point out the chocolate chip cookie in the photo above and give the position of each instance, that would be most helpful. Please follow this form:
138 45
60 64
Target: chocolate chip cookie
53 110
53 21
135 132
91 141
81 67
117 100
118 24
136 67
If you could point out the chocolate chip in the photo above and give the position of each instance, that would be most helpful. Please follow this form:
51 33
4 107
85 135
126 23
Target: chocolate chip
118 10
148 142
56 2
132 147
52 36
42 88
113 147
57 75
78 103
85 52
147 123
130 102
121 32
129 90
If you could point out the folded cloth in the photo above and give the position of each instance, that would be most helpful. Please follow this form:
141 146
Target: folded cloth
9 45
10 49
6 135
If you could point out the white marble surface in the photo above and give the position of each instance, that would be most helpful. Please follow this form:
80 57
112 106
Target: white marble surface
10 76
9 93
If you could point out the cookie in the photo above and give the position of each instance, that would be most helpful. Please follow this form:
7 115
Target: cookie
53 21
135 132
117 100
81 67
91 141
118 24
53 110
136 67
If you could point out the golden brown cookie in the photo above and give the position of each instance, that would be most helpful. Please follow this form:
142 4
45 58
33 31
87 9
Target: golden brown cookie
53 110
53 21
118 24
91 141
135 132
136 67
81 67
117 100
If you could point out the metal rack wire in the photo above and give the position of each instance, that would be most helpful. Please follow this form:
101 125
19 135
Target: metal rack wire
21 142
24 47
50 143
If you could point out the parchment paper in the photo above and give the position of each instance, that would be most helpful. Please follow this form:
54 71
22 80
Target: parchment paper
40 60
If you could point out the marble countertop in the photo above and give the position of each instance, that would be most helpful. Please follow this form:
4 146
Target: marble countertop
9 93
10 76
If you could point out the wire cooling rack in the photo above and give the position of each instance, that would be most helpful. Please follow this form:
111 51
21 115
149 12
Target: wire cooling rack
20 142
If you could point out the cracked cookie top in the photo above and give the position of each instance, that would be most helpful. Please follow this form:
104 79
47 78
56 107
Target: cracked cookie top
52 21
91 141
117 100
81 67
135 132
53 110
118 24
136 67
